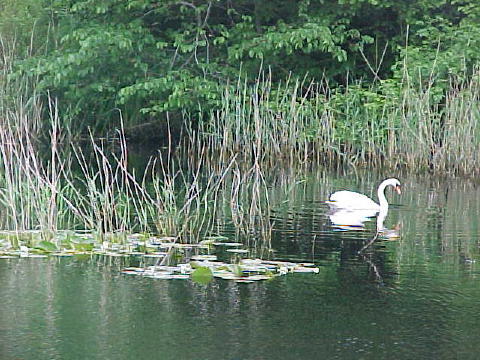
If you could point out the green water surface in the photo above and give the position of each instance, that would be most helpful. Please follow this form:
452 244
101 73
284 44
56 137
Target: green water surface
412 297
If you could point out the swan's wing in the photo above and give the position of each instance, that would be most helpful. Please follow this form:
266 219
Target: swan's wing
352 200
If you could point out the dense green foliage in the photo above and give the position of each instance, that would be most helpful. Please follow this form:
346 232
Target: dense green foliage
146 57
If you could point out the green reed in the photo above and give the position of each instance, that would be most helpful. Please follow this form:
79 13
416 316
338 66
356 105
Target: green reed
62 185
59 185
29 186
398 124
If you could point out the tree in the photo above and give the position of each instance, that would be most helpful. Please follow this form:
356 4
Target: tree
146 57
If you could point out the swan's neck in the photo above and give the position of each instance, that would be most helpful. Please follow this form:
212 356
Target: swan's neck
381 197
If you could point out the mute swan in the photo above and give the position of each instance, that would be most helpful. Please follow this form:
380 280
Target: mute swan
354 201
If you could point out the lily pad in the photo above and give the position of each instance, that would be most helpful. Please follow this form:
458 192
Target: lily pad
32 256
238 251
189 246
231 244
204 257
302 269
130 272
258 277
202 275
136 269
207 242
113 254
166 238
159 255
163 268
46 246
216 238
166 276
236 269
84 246
226 275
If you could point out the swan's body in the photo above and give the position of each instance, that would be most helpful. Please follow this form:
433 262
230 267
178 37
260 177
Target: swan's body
355 201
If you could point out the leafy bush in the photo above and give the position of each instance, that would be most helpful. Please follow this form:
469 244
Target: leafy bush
146 57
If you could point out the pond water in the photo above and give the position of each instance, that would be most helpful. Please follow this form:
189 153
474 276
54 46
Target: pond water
409 296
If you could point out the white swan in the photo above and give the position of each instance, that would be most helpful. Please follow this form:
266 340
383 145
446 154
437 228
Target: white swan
354 201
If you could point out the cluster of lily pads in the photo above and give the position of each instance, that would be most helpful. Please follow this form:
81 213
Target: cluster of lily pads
68 243
201 268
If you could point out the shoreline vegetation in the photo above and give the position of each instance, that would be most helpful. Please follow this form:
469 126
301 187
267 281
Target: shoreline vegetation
216 173
301 83
303 123
90 78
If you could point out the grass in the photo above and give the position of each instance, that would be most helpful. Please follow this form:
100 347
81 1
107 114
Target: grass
61 185
399 125
49 188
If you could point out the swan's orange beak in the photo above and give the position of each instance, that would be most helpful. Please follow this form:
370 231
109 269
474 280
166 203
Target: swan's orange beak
398 190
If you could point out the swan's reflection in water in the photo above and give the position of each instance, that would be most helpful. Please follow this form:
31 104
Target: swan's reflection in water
382 231
349 219
355 219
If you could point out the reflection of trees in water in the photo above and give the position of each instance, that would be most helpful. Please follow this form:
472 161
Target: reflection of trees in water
442 219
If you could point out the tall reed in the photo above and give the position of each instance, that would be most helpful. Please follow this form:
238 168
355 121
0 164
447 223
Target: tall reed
29 184
60 185
400 125
226 159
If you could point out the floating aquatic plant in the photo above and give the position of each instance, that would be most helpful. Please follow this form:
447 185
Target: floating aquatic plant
204 269
202 275
200 267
